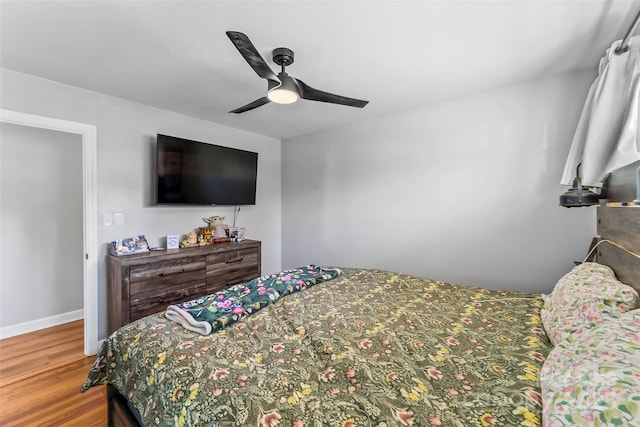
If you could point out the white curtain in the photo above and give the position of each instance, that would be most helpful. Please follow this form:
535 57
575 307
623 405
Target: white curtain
607 134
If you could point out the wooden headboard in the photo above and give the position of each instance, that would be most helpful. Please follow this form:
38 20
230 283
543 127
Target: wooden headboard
621 225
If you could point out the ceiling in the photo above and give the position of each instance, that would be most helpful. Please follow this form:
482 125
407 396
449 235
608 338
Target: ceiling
399 55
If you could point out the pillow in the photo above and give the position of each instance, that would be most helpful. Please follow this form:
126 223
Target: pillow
583 298
594 378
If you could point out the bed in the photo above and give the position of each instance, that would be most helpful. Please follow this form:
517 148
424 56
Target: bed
380 348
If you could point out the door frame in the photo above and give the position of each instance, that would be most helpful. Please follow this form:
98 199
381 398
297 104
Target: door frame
90 204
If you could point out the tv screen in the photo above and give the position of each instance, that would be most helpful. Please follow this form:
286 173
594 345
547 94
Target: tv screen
196 173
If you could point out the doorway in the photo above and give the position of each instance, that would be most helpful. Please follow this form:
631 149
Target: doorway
87 134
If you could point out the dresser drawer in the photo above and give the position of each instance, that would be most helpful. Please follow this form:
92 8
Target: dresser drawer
144 304
232 260
166 283
155 270
217 281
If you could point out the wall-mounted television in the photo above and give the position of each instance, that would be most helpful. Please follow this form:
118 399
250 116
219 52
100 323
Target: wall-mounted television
197 173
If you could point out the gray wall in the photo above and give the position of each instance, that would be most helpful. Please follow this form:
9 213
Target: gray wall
463 191
41 267
125 133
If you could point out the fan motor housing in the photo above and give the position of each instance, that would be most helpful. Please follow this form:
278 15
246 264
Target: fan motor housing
283 56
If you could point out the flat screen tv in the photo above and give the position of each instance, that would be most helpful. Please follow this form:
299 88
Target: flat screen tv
196 173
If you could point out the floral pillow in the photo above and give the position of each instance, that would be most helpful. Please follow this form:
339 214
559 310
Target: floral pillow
582 299
593 379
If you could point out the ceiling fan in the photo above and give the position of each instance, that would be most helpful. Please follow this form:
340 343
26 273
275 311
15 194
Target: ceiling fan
281 88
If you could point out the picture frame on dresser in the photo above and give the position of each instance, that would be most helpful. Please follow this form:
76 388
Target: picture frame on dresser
173 241
129 246
144 284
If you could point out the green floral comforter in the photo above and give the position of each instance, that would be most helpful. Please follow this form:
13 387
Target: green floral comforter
369 348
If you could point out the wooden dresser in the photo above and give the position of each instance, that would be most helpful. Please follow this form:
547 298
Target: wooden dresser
144 284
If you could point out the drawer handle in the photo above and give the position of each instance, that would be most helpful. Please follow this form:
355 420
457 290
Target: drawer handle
233 260
162 274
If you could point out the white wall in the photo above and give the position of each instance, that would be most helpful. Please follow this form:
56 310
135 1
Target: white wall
41 267
464 191
126 132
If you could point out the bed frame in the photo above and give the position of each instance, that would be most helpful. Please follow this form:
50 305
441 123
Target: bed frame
118 412
620 225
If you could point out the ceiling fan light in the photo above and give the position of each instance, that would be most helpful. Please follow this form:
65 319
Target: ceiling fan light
282 96
286 92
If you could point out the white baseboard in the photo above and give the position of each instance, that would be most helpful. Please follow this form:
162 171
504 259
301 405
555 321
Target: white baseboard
45 322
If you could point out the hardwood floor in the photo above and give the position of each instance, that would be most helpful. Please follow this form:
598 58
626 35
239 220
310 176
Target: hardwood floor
40 378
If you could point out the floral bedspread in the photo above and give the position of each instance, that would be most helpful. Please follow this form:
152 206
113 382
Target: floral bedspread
369 348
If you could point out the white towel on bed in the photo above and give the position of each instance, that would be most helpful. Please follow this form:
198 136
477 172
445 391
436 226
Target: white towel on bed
187 321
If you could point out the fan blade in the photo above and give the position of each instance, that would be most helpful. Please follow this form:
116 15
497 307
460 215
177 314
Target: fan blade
307 92
255 104
251 55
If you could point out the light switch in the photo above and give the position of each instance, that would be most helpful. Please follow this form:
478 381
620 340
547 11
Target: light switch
118 219
107 220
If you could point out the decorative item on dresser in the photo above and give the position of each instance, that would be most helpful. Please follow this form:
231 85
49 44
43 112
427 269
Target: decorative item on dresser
140 285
